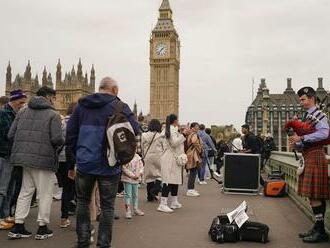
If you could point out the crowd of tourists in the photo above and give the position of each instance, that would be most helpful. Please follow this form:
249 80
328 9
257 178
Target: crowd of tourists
39 149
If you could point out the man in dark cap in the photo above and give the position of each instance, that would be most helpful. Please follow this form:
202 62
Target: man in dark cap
7 116
313 182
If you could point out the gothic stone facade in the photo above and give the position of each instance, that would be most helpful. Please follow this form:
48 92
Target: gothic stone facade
73 86
164 66
268 113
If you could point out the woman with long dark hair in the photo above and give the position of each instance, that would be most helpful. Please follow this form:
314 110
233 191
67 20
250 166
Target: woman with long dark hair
151 151
171 170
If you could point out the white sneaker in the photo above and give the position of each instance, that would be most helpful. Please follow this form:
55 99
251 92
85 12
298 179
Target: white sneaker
216 174
202 182
191 192
176 205
164 208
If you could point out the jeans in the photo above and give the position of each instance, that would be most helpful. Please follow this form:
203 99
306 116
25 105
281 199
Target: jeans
68 189
202 169
192 178
131 194
108 186
5 175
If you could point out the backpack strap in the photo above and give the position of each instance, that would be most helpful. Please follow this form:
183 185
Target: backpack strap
119 107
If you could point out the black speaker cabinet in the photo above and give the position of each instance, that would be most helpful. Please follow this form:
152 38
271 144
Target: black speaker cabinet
241 173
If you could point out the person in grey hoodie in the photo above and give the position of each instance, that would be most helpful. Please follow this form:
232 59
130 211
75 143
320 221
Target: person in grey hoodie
37 136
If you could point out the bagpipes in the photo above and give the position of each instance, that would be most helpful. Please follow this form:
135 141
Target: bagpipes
308 125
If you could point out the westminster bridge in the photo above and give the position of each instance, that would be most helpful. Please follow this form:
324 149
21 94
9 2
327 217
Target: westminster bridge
188 226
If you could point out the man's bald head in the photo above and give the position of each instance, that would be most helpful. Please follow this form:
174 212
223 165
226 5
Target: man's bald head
108 85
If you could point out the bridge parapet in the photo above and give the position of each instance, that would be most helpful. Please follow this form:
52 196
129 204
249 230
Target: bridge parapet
287 163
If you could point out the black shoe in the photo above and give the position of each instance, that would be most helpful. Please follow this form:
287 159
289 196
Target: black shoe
316 237
116 217
19 231
306 234
43 233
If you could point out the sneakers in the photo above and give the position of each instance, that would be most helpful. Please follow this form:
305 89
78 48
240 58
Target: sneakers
202 182
216 174
192 192
128 214
19 231
164 208
174 203
138 212
43 233
4 225
65 223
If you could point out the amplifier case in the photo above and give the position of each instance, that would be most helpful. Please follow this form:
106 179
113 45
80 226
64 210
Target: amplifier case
241 173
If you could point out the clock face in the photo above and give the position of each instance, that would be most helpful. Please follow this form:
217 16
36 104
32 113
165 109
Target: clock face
161 49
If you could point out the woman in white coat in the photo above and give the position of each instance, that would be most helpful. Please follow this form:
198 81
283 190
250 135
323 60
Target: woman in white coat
171 171
152 151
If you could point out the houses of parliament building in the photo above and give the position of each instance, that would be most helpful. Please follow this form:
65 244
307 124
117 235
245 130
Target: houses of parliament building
69 88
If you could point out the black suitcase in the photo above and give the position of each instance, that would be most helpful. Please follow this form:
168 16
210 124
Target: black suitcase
254 231
222 231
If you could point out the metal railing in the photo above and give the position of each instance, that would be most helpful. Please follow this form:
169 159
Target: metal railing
285 161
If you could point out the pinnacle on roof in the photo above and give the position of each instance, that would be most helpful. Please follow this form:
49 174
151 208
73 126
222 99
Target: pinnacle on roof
165 5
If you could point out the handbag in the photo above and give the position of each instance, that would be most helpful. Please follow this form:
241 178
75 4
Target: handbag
181 159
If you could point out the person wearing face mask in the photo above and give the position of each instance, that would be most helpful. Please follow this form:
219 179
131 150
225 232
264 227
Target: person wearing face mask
37 135
7 115
171 172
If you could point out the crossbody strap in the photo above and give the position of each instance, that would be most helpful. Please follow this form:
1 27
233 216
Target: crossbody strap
149 145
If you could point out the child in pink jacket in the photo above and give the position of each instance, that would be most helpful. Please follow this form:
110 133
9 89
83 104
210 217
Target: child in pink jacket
131 177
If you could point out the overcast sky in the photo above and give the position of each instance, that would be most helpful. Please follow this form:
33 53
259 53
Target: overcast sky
225 43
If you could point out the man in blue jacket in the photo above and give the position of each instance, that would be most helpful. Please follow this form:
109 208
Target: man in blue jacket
86 139
208 146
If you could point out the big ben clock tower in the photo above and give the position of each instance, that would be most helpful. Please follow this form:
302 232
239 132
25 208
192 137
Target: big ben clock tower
164 66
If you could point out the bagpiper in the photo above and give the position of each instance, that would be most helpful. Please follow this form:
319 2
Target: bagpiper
313 181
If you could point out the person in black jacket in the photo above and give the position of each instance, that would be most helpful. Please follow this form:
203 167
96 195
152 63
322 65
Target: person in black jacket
251 144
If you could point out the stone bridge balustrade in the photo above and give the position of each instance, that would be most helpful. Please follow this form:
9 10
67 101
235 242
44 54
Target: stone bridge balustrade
285 161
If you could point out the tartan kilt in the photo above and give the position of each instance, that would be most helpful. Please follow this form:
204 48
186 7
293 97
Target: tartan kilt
314 182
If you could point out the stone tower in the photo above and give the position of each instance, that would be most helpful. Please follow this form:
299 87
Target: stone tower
73 86
26 83
164 65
